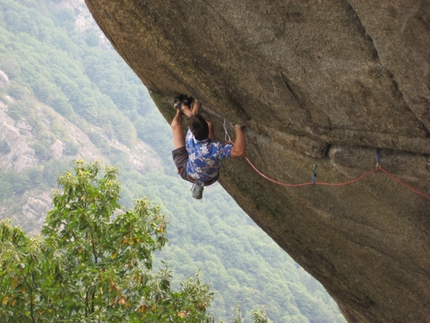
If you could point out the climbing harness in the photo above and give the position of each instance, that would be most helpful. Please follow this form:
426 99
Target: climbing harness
314 173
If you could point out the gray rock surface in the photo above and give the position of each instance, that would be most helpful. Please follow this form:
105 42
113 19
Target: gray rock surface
4 79
19 155
313 81
37 206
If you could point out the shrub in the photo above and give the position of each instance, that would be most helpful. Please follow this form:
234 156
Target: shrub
4 148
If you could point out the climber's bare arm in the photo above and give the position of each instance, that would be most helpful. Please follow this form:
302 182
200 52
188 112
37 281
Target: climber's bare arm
178 133
187 111
196 107
239 148
211 130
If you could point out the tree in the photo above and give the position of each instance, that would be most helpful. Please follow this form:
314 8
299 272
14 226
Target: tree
44 90
92 39
25 270
17 91
42 149
237 317
93 261
4 148
260 315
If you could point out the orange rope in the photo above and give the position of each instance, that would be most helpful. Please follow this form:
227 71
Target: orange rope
272 180
404 184
349 182
378 168
339 184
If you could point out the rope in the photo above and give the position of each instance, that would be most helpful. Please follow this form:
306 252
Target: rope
340 184
314 174
404 184
310 183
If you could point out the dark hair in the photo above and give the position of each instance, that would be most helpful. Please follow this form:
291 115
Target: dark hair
199 127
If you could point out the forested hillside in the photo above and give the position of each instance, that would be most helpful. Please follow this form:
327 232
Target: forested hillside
65 94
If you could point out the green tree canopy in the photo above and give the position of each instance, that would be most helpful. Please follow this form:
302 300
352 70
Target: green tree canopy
93 261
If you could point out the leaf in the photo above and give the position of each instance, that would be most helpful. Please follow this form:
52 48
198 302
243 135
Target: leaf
85 253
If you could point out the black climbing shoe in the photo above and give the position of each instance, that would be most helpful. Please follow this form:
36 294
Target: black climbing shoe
197 190
178 105
182 99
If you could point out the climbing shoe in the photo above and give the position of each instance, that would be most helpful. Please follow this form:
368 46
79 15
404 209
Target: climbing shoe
182 99
197 190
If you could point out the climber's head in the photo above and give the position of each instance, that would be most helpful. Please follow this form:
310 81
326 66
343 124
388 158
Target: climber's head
199 127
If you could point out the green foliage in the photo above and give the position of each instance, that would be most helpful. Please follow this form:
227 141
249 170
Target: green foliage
93 261
241 262
17 183
237 317
43 89
17 91
42 149
119 158
99 141
92 39
13 183
33 52
18 109
6 188
52 170
27 266
62 106
4 148
260 315
71 149
139 125
64 18
10 67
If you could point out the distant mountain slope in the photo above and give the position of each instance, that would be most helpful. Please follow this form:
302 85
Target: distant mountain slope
51 111
36 143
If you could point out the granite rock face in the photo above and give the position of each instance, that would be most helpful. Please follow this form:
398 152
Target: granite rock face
324 82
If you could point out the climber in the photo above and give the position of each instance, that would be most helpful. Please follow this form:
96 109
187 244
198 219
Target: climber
198 154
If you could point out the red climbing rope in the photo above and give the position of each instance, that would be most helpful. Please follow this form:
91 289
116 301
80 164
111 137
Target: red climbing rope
404 184
313 182
349 182
272 180
339 184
